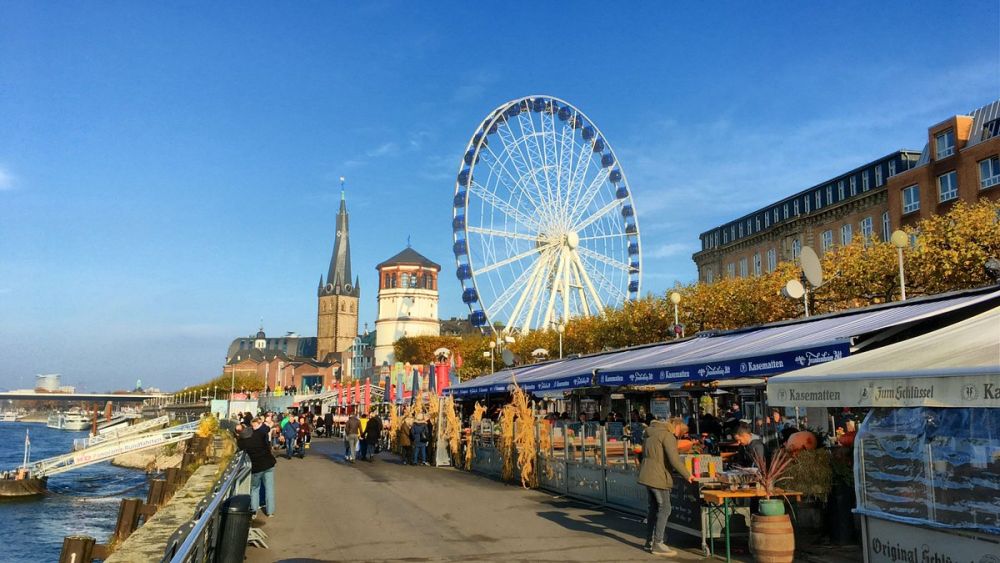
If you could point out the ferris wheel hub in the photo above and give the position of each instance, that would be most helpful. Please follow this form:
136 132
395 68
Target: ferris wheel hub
572 240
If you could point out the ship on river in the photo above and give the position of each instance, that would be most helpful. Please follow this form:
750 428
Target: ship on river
73 419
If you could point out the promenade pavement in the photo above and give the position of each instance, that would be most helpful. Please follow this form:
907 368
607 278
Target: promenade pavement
329 510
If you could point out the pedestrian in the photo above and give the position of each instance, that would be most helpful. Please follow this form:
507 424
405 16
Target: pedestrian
352 429
404 440
253 440
659 450
363 441
420 435
750 447
302 436
373 435
289 431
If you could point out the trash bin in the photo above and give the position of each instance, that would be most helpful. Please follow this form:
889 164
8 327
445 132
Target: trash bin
234 530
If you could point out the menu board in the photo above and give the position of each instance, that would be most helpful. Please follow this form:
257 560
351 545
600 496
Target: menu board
685 504
660 408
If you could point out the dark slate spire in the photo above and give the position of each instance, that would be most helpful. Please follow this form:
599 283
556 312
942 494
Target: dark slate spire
338 278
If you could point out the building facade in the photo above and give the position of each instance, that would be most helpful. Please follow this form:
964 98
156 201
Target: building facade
337 309
960 162
407 301
830 213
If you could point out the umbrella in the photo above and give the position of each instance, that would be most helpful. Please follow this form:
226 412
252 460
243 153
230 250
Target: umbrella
453 376
432 378
357 392
387 394
416 385
368 394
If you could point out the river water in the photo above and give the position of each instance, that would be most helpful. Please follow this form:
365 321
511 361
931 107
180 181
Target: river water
83 501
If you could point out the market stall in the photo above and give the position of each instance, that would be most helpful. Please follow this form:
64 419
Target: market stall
927 456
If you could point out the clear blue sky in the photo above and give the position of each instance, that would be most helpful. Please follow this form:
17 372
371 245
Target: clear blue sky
168 172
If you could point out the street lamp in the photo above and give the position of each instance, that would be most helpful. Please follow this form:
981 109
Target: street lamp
675 298
900 240
215 390
561 329
493 346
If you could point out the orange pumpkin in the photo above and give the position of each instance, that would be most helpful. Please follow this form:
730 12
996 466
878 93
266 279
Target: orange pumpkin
804 440
847 440
684 445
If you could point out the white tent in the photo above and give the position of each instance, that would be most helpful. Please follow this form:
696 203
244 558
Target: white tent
956 366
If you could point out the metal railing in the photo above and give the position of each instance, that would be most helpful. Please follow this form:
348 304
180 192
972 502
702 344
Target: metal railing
196 541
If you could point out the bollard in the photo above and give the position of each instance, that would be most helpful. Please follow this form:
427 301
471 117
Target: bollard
77 549
128 518
155 496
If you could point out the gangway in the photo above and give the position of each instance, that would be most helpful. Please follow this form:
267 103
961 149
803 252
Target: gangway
112 448
116 433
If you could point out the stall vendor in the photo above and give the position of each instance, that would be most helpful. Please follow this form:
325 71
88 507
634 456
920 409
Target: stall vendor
750 446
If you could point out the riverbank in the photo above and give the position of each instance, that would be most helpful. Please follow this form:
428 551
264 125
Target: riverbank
151 460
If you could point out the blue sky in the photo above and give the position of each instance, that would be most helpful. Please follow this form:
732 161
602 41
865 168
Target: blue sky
168 171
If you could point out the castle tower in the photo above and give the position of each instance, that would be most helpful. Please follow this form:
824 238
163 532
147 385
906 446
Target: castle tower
337 315
407 301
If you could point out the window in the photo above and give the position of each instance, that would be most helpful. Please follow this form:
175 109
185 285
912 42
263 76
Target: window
405 279
840 190
756 264
991 129
911 199
796 249
725 237
786 211
947 186
757 223
846 234
829 195
731 270
886 233
795 207
989 172
819 199
892 168
709 275
854 186
741 230
743 267
767 220
772 260
827 239
944 144
867 229
878 176
776 215
864 181
386 282
805 201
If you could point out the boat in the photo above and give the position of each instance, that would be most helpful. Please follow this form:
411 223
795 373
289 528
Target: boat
20 482
73 419
10 416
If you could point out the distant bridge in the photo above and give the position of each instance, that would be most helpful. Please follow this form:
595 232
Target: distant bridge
82 397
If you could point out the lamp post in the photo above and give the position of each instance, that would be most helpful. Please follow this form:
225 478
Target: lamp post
215 391
561 329
493 346
232 383
900 240
675 298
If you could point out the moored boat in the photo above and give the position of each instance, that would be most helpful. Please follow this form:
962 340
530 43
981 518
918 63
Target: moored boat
73 419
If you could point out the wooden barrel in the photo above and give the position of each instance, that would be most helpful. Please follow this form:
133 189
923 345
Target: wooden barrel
772 539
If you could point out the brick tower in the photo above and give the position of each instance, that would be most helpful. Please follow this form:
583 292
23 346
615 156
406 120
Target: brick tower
337 315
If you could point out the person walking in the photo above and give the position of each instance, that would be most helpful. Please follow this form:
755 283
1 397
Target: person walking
302 436
420 435
289 431
364 441
352 429
373 434
253 440
404 440
660 449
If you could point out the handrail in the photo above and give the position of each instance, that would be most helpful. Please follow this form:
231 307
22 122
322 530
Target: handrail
189 542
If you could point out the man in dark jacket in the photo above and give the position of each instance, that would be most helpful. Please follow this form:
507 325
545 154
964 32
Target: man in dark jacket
373 433
750 447
659 450
289 431
420 435
253 441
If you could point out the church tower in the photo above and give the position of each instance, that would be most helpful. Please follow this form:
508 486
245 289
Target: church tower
337 316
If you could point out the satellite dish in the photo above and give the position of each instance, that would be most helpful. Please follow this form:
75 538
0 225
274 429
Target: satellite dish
508 357
442 352
811 267
794 289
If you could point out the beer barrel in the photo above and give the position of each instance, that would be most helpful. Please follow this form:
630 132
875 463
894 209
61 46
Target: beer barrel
772 539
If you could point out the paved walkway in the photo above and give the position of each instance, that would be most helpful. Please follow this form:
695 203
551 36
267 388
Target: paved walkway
385 511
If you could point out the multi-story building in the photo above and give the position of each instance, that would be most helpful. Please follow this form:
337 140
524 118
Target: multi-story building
407 301
827 214
960 162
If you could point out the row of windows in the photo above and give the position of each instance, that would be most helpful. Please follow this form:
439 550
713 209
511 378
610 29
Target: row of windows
345 307
817 199
417 281
866 228
947 185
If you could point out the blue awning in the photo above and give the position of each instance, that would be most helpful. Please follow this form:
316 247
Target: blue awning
752 352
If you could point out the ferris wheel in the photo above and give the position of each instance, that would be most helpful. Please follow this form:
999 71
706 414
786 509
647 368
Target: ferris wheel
543 221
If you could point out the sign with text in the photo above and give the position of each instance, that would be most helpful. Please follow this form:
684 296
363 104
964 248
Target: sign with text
893 542
944 390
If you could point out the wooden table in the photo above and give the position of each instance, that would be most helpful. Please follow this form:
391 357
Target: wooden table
718 501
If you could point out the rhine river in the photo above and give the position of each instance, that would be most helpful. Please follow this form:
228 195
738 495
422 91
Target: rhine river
82 501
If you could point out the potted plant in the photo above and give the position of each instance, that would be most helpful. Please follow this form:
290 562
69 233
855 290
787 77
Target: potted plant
811 475
772 539
841 517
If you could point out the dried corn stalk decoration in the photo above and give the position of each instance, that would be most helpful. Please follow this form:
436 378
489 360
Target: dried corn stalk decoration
452 429
507 452
395 422
524 437
417 408
477 417
545 446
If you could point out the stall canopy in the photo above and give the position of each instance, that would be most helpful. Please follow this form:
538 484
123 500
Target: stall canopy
955 366
753 352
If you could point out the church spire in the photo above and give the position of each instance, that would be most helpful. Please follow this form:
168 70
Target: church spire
338 277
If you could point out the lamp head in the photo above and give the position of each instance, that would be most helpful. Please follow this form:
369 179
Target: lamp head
675 297
899 239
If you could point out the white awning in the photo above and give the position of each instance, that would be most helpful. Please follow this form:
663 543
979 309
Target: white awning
956 366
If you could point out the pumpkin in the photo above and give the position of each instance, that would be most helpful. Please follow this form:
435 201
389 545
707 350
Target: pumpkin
847 440
804 440
684 445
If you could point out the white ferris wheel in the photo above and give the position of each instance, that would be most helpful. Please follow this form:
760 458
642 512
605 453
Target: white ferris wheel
544 225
